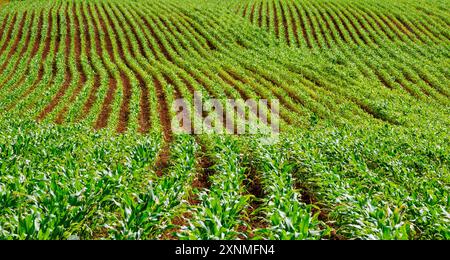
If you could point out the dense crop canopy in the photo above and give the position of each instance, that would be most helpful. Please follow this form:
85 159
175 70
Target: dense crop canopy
87 148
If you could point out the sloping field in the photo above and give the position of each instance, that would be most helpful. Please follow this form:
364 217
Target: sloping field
87 148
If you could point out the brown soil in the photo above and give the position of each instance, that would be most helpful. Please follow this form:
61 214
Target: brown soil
285 25
45 53
162 163
116 35
255 188
209 44
93 92
77 44
125 107
260 14
346 26
2 27
103 117
92 96
431 85
144 113
33 53
336 26
8 34
17 40
37 41
83 79
204 172
48 38
109 47
360 22
61 115
245 10
378 23
275 21
356 28
303 25
164 112
308 197
98 44
294 27
67 78
328 26
133 30
22 52
126 84
161 47
59 95
252 13
163 159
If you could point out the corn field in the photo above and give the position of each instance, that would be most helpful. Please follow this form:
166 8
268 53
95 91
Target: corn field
87 149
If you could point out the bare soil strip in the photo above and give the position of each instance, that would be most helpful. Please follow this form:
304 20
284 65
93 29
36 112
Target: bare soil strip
33 54
285 25
302 24
124 114
275 19
345 24
252 12
18 61
2 27
260 14
254 213
97 80
163 159
309 198
102 120
144 113
45 53
83 78
309 19
244 14
204 172
161 47
8 34
68 74
294 27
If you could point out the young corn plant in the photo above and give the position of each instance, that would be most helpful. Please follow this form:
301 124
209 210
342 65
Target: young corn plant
146 213
218 215
286 215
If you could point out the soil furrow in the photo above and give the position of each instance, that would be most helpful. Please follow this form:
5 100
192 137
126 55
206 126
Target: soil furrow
8 34
303 26
68 74
163 159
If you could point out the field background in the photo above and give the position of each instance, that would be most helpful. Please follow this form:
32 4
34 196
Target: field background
87 150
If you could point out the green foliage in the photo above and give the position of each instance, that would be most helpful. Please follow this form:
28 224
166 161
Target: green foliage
364 107
58 182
